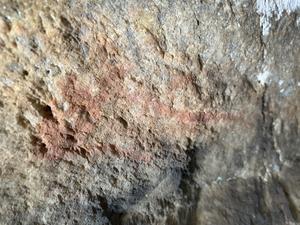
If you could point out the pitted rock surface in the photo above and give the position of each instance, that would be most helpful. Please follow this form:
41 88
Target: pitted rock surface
150 112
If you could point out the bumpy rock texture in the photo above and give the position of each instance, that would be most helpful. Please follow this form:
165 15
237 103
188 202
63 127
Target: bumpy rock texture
149 112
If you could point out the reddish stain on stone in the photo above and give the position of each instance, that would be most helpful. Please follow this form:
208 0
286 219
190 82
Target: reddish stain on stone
52 138
71 129
80 99
68 130
58 137
184 119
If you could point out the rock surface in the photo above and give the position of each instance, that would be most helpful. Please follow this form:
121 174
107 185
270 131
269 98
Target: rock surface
150 112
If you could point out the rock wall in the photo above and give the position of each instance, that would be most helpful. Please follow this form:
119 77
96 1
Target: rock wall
164 112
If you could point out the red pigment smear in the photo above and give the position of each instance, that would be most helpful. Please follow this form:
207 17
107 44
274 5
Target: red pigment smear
57 134
185 119
85 112
80 99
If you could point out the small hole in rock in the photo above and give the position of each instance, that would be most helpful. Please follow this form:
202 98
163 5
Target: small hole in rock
44 110
123 122
60 199
47 112
25 73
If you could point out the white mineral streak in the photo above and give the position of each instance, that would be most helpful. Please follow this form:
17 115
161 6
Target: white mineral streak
264 76
269 8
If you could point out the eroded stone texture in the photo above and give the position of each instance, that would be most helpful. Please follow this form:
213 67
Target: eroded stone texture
149 112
